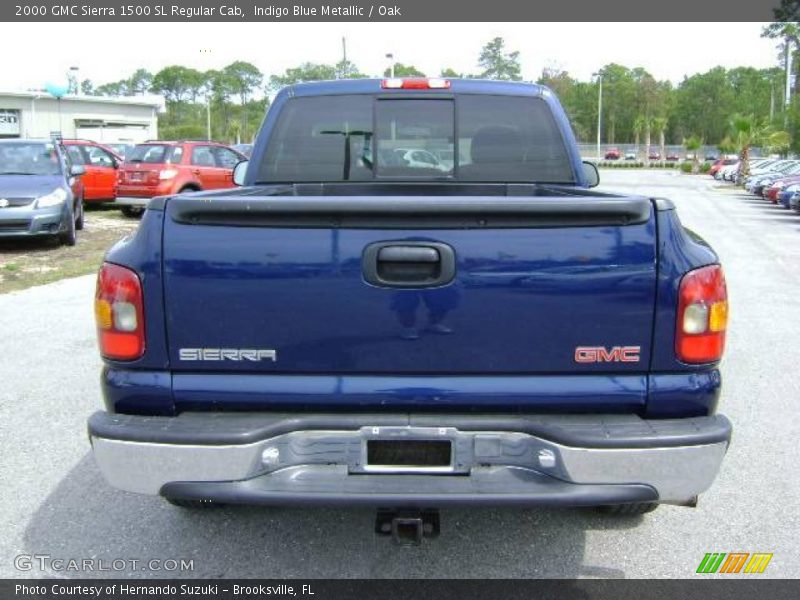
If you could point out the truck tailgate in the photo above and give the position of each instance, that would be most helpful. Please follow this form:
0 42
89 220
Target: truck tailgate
533 280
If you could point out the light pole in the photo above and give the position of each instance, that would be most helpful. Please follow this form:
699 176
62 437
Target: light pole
599 76
390 56
207 52
74 82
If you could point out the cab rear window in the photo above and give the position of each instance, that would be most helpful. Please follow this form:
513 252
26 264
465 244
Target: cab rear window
481 138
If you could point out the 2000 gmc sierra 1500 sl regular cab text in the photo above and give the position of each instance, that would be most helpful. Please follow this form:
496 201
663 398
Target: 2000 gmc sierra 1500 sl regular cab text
471 327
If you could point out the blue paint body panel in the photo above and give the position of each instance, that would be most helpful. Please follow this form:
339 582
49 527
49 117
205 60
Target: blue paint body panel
521 302
588 393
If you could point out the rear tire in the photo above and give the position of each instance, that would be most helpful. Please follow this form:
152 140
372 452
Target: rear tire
69 237
79 213
133 212
627 510
193 504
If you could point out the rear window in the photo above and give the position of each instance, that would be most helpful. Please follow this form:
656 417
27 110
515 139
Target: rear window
479 138
154 154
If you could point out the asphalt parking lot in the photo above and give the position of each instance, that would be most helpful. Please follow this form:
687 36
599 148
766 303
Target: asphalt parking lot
55 502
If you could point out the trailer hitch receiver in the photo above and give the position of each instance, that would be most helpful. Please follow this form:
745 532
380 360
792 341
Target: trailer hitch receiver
407 527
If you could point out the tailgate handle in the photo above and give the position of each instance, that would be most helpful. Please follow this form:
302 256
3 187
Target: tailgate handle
421 254
409 264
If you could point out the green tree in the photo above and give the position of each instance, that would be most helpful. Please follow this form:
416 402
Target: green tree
704 104
660 126
116 88
244 79
693 144
305 72
178 84
345 69
450 73
750 131
639 125
497 63
401 70
87 88
140 82
727 145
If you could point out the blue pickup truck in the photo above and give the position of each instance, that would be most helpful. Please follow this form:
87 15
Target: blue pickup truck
413 301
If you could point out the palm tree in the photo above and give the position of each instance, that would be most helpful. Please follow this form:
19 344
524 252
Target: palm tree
638 128
727 145
747 132
648 124
660 125
693 145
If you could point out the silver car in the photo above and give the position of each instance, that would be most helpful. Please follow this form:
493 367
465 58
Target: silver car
39 191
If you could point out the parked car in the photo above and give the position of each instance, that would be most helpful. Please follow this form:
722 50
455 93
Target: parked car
772 191
246 149
673 156
763 179
630 154
164 168
612 154
794 202
710 156
294 343
122 148
419 158
654 155
41 194
719 164
101 164
785 195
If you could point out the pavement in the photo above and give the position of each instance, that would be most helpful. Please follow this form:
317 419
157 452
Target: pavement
56 504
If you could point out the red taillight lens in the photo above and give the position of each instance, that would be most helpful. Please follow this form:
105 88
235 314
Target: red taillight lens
702 316
415 83
119 313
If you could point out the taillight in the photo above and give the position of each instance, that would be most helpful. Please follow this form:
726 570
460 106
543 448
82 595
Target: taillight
702 316
119 312
415 83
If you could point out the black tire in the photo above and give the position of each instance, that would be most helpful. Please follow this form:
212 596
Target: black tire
628 510
79 215
133 212
189 189
70 236
193 504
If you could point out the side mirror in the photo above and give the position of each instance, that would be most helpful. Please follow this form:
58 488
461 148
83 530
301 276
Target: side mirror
77 170
239 171
591 174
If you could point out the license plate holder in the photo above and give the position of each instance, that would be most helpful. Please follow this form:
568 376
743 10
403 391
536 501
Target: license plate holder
397 455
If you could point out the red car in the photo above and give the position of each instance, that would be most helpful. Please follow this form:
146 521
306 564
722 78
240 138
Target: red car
777 186
654 155
719 163
165 168
672 156
101 164
613 154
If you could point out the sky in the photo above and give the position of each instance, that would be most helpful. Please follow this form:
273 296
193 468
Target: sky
107 52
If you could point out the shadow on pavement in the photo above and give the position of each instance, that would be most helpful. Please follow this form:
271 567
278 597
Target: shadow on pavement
83 517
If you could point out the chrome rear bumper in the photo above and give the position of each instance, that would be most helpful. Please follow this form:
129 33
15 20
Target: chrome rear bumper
558 460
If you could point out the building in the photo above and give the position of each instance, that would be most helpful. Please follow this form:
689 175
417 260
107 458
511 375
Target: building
99 118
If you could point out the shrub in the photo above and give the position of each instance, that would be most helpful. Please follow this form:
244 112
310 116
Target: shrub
705 167
686 167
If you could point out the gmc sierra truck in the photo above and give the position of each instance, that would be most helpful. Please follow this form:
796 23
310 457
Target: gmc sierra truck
413 301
